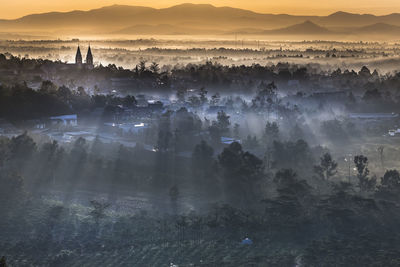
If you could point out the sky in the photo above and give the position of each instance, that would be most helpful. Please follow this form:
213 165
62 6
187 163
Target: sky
11 9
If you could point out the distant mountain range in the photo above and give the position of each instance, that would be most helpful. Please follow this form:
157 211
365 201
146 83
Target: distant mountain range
165 29
199 19
379 28
305 28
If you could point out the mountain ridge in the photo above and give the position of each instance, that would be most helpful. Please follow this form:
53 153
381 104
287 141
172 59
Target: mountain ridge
306 28
116 18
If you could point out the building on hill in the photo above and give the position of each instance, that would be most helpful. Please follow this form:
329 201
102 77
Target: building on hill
373 116
67 120
89 59
78 57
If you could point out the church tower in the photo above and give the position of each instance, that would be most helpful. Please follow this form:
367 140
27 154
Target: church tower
89 58
78 57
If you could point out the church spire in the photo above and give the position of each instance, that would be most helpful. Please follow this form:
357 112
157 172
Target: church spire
78 57
89 57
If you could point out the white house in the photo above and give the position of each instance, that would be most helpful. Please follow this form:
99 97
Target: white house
67 120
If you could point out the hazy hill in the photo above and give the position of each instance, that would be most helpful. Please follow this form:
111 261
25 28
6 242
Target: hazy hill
305 28
186 19
164 29
118 17
345 19
379 28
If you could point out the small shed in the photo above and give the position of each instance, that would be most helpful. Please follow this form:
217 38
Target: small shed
70 120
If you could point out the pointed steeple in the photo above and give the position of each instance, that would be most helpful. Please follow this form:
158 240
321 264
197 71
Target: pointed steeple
89 57
78 57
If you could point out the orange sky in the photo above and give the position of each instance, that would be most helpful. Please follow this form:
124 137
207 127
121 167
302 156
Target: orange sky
17 8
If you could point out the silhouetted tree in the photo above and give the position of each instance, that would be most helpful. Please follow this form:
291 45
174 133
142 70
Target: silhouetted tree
296 155
48 87
241 171
327 167
288 183
142 66
364 182
154 68
129 101
390 182
21 148
203 95
266 96
215 99
223 122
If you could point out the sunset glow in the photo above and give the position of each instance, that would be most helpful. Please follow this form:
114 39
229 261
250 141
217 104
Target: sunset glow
199 133
15 9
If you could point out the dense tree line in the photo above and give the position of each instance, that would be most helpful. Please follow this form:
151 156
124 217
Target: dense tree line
365 83
312 223
282 191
